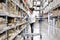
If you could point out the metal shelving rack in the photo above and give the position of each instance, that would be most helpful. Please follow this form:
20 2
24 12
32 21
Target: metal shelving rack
52 4
6 15
51 18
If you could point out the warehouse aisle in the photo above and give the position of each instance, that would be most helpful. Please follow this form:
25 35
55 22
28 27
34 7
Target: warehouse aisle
44 32
36 30
13 27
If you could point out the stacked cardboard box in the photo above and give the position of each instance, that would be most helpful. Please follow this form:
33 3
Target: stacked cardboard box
16 12
18 20
2 23
19 13
11 22
2 7
3 37
12 8
10 33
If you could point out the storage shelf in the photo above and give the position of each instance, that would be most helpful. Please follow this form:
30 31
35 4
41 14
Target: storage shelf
3 13
52 17
52 6
15 34
12 17
37 5
20 7
25 5
7 14
10 27
18 32
3 37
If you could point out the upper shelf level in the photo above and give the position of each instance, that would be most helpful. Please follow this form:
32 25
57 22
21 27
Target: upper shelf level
12 8
20 5
52 6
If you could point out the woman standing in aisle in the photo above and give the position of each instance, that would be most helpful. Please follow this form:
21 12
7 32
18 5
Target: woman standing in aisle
31 17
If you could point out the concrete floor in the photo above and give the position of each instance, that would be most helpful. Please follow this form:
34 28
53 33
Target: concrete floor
44 32
36 30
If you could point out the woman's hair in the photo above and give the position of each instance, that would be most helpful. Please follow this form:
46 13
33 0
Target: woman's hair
32 9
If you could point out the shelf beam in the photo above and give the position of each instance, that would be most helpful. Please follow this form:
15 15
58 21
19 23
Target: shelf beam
7 14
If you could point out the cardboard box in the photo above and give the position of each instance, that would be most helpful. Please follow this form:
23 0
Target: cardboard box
2 23
11 22
10 33
2 26
15 12
12 8
2 7
2 20
3 37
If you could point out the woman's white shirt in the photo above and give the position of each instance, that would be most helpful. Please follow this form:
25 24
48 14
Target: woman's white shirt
32 17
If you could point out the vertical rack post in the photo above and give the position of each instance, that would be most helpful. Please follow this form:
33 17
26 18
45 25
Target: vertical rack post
6 26
7 5
16 23
49 22
23 34
41 12
26 31
54 26
6 21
